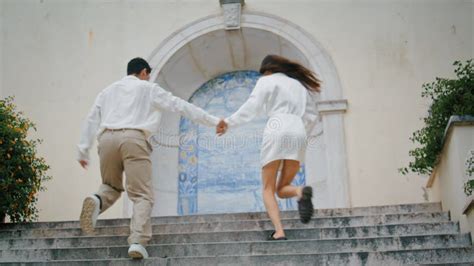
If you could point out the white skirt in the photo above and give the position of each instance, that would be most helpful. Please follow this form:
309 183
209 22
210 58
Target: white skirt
284 138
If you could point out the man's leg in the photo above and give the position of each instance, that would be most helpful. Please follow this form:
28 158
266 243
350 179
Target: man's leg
137 164
111 168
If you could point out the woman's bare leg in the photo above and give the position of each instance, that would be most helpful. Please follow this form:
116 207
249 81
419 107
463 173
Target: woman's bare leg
304 194
269 176
288 173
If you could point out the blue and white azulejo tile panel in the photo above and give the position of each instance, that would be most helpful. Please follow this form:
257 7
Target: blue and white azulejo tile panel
223 174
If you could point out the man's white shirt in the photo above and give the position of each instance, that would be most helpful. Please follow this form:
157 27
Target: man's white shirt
131 103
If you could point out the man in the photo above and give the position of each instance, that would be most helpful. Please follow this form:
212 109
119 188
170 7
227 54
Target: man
124 115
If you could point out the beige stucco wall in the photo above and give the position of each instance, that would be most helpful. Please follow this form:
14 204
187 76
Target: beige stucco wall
451 174
384 51
60 54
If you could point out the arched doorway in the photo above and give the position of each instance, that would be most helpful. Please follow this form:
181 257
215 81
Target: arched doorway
223 175
203 50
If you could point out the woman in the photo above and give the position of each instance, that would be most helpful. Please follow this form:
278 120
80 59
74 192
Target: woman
283 94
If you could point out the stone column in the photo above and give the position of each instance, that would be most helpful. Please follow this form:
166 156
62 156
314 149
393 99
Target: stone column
338 175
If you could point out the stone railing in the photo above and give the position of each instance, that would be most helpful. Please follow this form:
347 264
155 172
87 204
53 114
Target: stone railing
446 183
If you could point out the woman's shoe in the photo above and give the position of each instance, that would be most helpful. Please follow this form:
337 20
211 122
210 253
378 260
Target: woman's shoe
305 205
272 238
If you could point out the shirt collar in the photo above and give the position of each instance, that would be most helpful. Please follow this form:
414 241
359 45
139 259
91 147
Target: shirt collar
131 77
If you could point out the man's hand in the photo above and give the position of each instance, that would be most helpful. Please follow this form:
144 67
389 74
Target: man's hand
221 128
84 163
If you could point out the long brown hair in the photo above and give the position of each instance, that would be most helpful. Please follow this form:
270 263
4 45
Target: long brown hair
279 64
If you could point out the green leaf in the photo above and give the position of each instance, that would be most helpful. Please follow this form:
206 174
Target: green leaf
22 171
449 97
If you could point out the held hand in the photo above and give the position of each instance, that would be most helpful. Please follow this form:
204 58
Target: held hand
221 128
84 163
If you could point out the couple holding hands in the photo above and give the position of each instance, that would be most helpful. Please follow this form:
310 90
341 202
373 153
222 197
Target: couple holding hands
127 112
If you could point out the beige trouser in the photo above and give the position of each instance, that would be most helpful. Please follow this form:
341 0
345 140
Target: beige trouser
128 150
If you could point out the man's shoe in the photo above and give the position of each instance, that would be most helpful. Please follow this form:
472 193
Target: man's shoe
137 251
89 214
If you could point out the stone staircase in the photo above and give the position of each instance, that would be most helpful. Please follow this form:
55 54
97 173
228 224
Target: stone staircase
384 235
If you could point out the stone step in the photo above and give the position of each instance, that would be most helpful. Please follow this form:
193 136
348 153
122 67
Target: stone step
445 256
246 248
258 235
243 225
400 257
319 213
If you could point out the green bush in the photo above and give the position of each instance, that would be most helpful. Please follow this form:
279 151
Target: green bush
449 97
469 185
22 172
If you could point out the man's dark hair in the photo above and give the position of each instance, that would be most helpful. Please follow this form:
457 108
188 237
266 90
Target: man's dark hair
136 65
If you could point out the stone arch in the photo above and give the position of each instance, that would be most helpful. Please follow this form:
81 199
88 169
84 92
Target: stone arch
185 60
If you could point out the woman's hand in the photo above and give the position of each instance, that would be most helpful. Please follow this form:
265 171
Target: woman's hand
84 163
221 128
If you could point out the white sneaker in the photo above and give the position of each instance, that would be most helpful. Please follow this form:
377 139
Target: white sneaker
89 214
137 251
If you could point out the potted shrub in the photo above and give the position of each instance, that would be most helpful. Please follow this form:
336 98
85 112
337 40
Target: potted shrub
22 172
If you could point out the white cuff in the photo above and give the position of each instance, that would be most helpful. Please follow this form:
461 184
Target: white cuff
82 155
214 120
228 122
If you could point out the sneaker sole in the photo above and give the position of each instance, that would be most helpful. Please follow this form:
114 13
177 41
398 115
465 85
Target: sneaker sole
88 208
135 255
